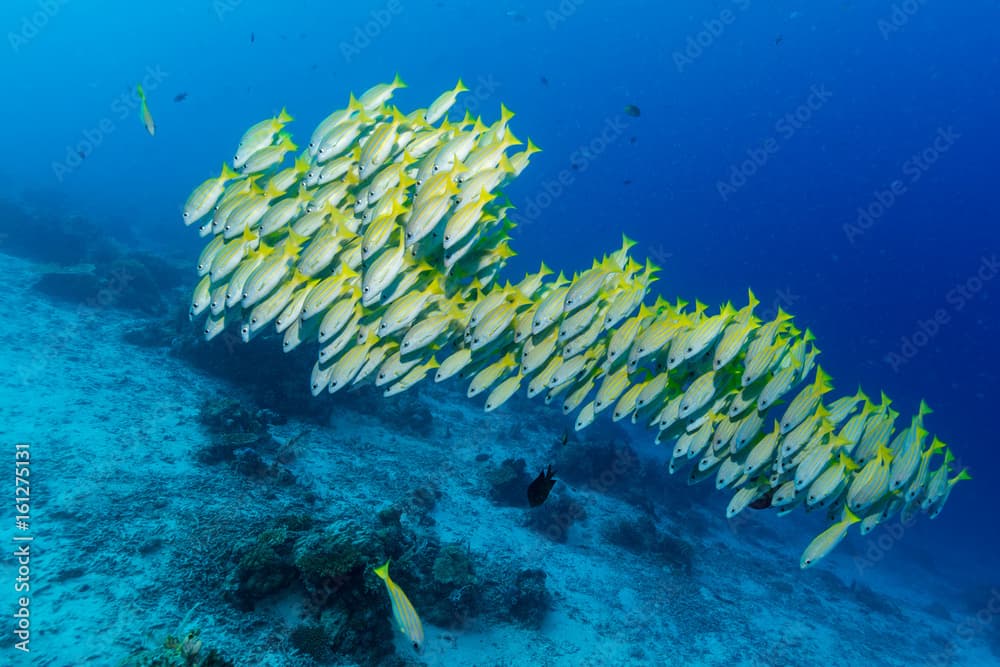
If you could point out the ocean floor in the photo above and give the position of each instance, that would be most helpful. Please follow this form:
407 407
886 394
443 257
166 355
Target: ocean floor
137 534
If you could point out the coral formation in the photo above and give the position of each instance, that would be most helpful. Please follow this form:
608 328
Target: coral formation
507 482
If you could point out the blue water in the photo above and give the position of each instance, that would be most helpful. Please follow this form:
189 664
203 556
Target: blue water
837 158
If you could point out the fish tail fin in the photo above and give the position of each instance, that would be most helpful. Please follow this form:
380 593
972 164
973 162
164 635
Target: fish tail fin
849 516
963 475
286 141
460 87
510 140
398 82
505 164
141 92
627 243
228 173
383 572
284 116
822 380
355 106
505 114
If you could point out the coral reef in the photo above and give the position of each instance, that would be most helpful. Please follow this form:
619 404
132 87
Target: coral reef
181 648
529 598
508 482
344 607
264 567
641 537
311 639
554 518
228 415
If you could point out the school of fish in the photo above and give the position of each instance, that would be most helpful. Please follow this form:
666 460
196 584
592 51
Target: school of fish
383 242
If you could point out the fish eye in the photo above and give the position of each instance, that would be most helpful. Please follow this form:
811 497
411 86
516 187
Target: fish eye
361 168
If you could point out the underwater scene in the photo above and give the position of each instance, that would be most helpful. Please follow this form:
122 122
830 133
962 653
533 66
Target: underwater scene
495 334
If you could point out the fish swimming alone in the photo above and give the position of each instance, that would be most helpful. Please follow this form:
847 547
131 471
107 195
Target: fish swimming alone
147 118
402 610
539 489
386 208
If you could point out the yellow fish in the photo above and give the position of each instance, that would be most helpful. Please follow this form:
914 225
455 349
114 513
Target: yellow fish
828 539
406 616
147 118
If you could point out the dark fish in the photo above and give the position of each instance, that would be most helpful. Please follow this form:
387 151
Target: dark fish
83 156
251 38
180 97
632 110
779 39
632 140
538 490
544 81
627 182
763 502
565 438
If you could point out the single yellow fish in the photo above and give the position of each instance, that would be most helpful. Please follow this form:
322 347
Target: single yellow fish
406 616
147 118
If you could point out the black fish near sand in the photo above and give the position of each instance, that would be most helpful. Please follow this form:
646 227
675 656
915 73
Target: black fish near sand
632 110
538 490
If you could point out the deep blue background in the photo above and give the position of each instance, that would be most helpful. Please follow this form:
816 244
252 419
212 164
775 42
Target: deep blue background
567 75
